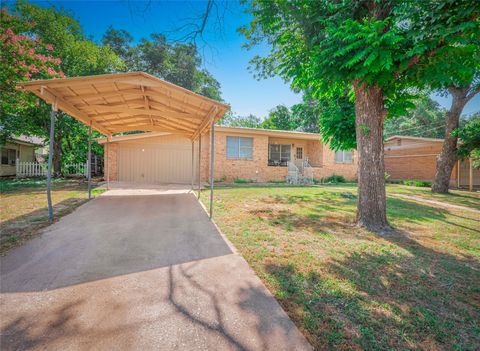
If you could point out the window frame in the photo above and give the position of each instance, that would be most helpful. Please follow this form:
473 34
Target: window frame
281 152
297 149
10 161
343 159
238 148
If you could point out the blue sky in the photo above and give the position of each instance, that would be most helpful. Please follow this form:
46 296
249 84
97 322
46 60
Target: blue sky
223 53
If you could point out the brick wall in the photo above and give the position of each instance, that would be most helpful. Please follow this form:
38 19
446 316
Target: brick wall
321 158
257 169
413 159
111 159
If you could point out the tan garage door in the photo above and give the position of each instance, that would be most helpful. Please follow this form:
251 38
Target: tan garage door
165 159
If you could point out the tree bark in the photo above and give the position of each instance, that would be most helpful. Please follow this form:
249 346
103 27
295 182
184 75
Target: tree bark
370 113
447 158
57 156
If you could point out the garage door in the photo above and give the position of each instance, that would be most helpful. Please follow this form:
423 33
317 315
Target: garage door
165 159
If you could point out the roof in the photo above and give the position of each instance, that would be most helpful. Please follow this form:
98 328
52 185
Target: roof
414 138
242 130
122 102
24 139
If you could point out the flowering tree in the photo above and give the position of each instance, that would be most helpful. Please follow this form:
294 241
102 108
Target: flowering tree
23 56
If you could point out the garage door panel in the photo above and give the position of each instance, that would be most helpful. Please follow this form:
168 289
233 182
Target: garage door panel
165 161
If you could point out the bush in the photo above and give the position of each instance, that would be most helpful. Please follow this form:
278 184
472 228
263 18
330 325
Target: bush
418 183
333 179
243 181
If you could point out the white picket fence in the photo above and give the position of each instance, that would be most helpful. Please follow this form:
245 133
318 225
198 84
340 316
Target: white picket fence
31 169
35 169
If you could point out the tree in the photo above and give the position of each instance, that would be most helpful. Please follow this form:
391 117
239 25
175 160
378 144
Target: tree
469 136
369 47
77 56
24 57
426 120
280 118
232 120
177 63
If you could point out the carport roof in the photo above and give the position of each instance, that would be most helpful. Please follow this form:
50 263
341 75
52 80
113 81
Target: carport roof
134 101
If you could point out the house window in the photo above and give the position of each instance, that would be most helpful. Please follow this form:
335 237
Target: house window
343 156
239 148
9 157
278 154
299 153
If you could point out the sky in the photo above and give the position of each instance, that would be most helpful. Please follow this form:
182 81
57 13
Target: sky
222 49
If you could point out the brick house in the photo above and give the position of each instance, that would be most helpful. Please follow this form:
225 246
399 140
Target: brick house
257 155
414 158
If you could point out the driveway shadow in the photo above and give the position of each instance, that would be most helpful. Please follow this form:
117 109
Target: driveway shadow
112 236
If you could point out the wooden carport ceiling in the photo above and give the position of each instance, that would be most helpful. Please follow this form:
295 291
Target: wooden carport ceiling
134 101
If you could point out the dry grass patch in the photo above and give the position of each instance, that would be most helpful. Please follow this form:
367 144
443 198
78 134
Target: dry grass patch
23 207
347 288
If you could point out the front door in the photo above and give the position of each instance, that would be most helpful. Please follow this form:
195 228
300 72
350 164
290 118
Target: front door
299 158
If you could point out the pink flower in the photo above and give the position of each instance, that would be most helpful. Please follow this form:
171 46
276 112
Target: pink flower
49 47
28 75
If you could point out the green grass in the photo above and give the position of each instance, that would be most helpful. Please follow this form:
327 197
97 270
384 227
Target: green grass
23 206
347 288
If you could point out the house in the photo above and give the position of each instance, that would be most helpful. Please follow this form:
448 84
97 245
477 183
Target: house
414 158
257 155
21 148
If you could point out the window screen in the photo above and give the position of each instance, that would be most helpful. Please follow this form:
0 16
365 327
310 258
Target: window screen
278 154
343 156
239 147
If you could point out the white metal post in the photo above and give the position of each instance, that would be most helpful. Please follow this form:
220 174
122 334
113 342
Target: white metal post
89 162
212 166
49 169
199 163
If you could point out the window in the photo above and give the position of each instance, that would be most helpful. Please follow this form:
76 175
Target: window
299 153
278 154
343 156
239 147
9 157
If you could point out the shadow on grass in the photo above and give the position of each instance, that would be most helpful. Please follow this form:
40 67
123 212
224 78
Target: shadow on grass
414 298
16 231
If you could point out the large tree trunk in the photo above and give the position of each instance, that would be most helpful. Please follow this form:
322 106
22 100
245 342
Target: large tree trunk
370 113
447 158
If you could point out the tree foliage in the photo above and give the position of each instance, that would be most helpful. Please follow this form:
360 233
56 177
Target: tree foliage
372 46
74 55
427 120
177 63
233 120
470 140
24 56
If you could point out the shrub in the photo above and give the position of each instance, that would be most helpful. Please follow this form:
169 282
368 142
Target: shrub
418 183
243 181
333 179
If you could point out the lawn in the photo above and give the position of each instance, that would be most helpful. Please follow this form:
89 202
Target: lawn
23 206
347 288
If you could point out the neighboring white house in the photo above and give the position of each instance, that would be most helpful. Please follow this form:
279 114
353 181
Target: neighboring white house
23 148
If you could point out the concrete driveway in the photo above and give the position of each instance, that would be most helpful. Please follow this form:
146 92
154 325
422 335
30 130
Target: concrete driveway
137 272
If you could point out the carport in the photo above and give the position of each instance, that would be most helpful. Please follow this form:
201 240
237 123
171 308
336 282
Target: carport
126 102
